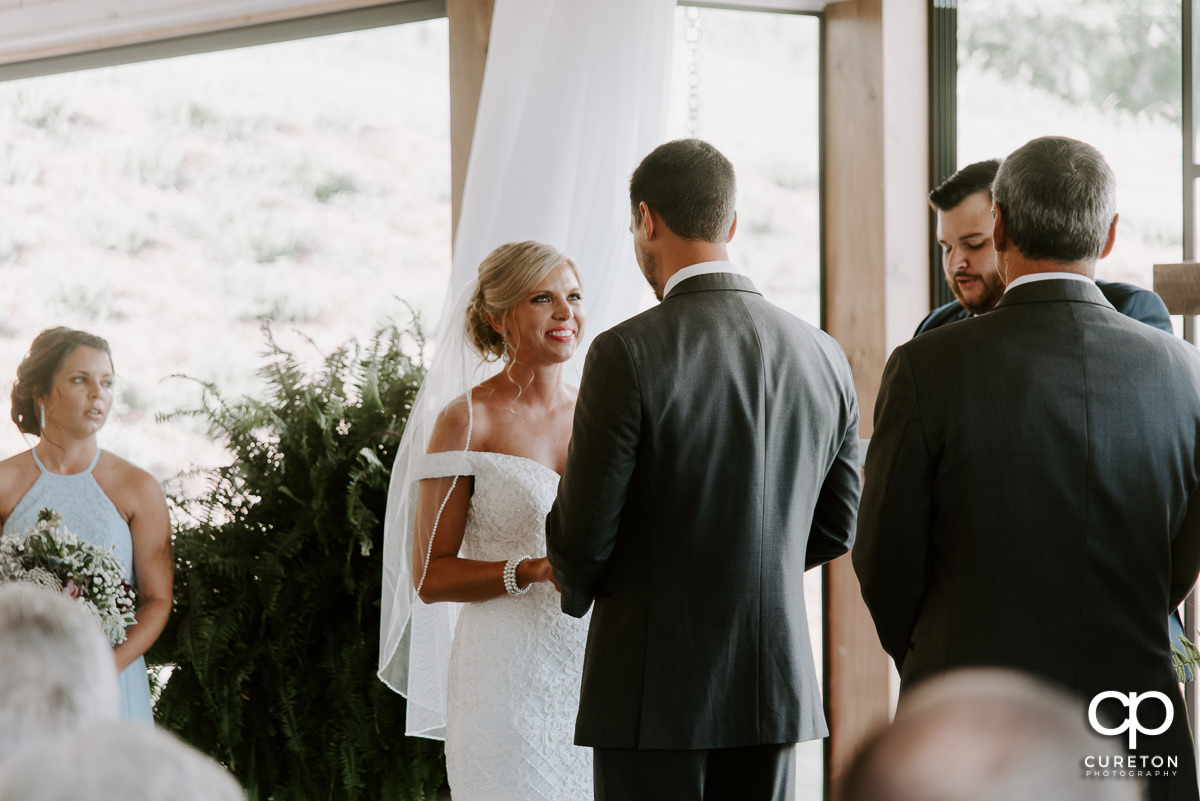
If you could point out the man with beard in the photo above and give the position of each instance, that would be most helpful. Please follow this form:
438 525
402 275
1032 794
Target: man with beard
963 204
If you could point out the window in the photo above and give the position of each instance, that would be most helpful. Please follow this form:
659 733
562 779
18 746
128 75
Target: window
749 83
172 206
1103 71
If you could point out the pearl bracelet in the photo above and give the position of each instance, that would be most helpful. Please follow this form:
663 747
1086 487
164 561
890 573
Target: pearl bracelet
510 575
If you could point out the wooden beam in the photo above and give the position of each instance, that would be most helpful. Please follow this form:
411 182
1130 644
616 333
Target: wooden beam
876 289
777 6
470 32
856 669
1179 286
155 44
41 31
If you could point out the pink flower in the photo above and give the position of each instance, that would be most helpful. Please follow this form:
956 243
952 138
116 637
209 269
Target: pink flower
72 589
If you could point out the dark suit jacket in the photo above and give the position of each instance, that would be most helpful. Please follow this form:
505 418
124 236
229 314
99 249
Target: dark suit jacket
1031 497
713 460
1129 300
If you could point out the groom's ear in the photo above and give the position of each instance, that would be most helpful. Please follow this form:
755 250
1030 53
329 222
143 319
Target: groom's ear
647 222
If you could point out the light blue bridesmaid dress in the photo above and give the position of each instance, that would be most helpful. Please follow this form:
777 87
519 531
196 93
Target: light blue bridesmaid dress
88 514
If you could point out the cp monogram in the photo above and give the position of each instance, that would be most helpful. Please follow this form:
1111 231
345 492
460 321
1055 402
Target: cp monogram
1131 701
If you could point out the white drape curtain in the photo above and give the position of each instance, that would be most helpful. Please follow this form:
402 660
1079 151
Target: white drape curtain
573 97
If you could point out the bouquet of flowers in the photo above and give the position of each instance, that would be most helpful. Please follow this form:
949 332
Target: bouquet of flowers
54 558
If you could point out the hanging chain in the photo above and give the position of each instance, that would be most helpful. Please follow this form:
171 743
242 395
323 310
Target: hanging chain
692 37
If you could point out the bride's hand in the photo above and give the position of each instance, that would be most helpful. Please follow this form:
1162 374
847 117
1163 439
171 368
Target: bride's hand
533 571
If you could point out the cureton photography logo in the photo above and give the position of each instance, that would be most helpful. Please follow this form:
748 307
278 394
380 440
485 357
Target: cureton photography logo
1130 765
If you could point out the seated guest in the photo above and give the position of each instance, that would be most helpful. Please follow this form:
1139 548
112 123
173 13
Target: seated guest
985 735
963 204
56 667
119 760
1029 486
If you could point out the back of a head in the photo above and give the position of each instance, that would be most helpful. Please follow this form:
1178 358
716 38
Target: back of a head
958 187
691 186
1058 197
117 760
56 667
983 735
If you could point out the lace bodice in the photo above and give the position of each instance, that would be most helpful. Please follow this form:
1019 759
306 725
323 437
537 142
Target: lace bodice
512 496
512 689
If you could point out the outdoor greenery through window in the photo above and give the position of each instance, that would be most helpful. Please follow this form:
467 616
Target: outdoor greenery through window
174 206
1107 72
755 86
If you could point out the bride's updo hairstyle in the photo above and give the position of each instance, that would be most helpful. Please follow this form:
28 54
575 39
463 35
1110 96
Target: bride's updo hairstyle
506 276
36 374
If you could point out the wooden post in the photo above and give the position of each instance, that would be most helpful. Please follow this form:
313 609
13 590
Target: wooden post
1179 286
876 288
470 31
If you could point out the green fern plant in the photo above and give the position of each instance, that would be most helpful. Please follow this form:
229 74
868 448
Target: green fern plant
272 646
1185 656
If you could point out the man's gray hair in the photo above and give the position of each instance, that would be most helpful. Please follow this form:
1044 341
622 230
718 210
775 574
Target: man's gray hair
983 734
1058 197
118 759
57 671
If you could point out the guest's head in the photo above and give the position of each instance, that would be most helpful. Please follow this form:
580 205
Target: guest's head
983 735
963 204
118 760
682 198
64 380
528 301
57 671
1055 202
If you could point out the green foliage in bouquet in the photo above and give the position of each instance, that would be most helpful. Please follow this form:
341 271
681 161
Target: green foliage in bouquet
54 558
274 638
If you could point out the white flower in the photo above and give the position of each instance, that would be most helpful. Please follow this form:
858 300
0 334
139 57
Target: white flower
51 556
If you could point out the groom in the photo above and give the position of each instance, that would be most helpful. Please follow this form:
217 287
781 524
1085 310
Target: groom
714 459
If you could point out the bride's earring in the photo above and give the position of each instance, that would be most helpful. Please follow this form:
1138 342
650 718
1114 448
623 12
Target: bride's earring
42 416
504 357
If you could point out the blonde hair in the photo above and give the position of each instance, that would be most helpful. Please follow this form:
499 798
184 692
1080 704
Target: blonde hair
508 273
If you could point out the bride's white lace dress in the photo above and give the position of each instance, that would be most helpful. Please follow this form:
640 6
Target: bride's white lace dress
513 686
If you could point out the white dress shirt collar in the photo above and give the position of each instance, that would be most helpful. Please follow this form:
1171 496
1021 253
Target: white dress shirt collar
703 268
1029 278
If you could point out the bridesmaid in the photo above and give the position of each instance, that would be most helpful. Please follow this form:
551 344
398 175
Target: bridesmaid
62 395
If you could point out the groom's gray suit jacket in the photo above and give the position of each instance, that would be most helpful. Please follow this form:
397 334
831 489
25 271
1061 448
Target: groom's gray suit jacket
714 459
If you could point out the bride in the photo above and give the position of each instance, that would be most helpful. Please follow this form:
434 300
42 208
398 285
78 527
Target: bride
509 684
